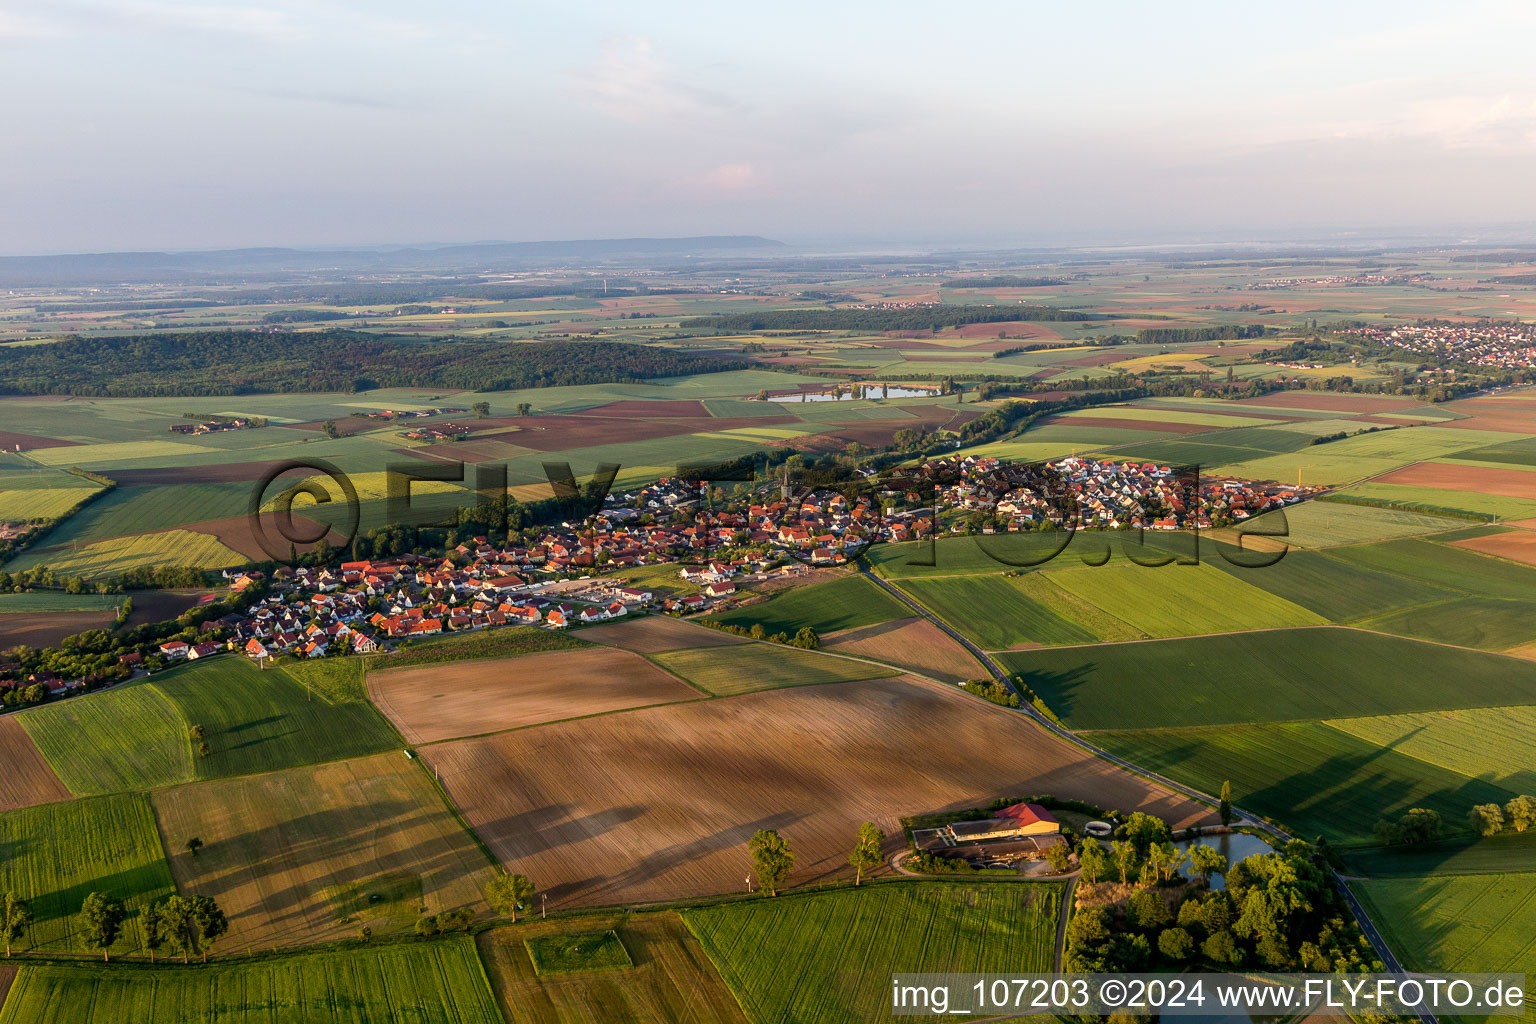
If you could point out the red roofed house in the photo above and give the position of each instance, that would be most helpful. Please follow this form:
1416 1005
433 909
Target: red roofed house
1032 819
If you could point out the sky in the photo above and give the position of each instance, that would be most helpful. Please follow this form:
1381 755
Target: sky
151 124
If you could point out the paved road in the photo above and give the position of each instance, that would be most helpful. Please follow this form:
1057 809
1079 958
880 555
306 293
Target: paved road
1383 951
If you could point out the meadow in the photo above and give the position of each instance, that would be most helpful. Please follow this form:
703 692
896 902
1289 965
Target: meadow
845 603
749 667
56 854
440 982
828 957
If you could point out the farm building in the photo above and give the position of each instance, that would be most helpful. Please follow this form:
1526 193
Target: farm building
1015 822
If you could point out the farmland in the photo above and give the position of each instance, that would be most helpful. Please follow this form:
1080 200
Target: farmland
113 557
845 603
656 803
27 779
915 644
1493 744
440 982
828 957
671 981
472 697
311 854
1322 524
1016 612
122 740
762 666
656 633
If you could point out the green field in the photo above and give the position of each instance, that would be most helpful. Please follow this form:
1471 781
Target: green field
41 502
998 612
36 601
1180 600
1309 777
578 953
1337 590
117 741
490 643
337 680
56 854
1271 676
1437 497
828 957
440 982
1493 744
114 557
1489 623
845 603
1445 566
133 510
1322 524
1507 851
723 671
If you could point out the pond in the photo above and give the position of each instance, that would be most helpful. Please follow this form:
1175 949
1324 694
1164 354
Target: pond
856 391
1234 846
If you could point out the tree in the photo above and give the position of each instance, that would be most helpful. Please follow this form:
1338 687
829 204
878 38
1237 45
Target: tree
1222 948
1060 857
15 918
1206 861
482 409
1093 860
193 845
1146 909
524 409
1175 944
329 428
1145 829
772 859
192 924
806 637
1486 819
103 918
1521 812
866 850
1125 857
506 893
1226 802
151 920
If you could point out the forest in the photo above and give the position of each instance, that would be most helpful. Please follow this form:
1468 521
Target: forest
248 362
921 318
1180 335
1002 281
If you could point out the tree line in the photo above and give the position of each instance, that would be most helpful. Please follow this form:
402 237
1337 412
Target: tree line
1177 335
921 318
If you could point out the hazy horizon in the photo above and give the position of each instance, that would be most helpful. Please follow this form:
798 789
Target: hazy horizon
154 125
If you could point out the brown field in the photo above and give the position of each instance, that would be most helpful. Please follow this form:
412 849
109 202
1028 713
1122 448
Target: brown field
655 633
557 432
672 980
1519 546
293 856
216 474
658 804
1328 402
349 425
469 698
1511 483
44 629
1014 330
672 408
237 534
1509 423
7 977
159 605
26 780
913 643
10 440
1096 359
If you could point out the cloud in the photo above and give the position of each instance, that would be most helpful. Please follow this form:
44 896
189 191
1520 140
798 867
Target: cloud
19 27
632 82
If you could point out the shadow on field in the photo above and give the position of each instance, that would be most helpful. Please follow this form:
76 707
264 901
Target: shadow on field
1057 689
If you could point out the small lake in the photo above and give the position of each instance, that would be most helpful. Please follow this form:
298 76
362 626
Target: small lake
857 391
1234 846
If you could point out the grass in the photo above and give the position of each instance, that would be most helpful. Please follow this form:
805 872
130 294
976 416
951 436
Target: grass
116 741
998 612
489 643
440 982
1270 676
40 502
663 580
113 557
845 603
56 854
57 601
1310 777
723 671
336 680
671 980
1322 524
1178 600
576 954
1493 744
829 957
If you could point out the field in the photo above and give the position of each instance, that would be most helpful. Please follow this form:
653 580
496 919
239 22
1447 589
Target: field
998 612
441 982
653 634
57 853
310 854
1431 498
27 779
1270 676
1492 744
113 557
846 603
1489 623
1446 566
726 671
117 741
1308 776
1515 545
671 982
469 698
828 957
657 803
915 644
1322 524
492 643
1180 600
1333 588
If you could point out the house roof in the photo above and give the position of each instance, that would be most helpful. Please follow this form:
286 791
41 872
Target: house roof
1026 814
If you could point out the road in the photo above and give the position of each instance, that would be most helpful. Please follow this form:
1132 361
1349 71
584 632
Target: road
1383 951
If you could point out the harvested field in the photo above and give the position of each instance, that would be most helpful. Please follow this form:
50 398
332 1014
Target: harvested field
11 440
470 698
1513 423
913 643
44 629
238 534
311 854
557 432
345 426
670 408
723 672
652 634
659 803
27 780
1511 483
1517 546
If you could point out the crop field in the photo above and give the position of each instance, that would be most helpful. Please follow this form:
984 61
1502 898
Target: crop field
440 982
469 698
726 671
336 680
996 612
1180 600
1446 566
41 502
38 601
102 455
44 629
1459 922
1431 498
311 854
57 853
1462 855
652 634
827 958
1493 744
845 603
914 644
1515 545
1462 476
113 557
1333 588
494 643
658 803
1323 524
1267 676
1308 776
134 510
671 982
116 741
1488 623
956 556
27 780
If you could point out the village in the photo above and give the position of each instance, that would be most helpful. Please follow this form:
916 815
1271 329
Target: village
1497 343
